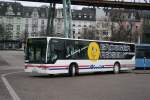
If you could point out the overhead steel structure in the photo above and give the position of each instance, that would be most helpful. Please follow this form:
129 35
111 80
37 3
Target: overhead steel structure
99 3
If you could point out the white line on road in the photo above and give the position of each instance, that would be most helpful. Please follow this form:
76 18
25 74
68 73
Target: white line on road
9 87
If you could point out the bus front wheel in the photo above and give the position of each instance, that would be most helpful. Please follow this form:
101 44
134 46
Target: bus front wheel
73 70
116 68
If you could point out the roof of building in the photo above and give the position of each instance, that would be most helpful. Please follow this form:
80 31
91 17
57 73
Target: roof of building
10 8
42 11
84 14
16 9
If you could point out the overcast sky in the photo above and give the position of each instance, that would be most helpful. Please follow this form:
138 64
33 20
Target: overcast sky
36 4
27 3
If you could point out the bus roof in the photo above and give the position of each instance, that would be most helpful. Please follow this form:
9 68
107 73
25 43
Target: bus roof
84 40
142 44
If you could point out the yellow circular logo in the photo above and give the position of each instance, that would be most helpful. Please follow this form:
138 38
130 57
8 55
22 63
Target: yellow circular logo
94 51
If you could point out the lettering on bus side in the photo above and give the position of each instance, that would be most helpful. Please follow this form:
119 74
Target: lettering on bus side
116 51
96 66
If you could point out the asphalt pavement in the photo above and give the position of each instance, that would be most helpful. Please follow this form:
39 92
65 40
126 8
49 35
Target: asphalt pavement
100 86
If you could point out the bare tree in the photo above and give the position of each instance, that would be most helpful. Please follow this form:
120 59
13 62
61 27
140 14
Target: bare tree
121 32
4 35
2 32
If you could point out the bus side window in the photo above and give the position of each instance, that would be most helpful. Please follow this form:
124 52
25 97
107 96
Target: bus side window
70 50
58 49
83 47
147 54
139 53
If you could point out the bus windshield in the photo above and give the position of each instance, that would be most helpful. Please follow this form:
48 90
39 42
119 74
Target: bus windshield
36 50
142 51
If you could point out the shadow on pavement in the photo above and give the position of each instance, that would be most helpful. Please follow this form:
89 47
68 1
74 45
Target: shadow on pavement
141 71
80 75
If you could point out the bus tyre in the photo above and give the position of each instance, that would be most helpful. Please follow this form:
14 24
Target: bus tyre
116 68
72 70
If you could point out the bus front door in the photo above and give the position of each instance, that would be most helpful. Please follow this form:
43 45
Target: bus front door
146 63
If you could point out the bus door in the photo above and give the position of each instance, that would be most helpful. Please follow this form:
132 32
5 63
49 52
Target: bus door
140 63
142 57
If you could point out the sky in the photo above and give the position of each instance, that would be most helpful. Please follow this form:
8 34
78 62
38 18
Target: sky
37 4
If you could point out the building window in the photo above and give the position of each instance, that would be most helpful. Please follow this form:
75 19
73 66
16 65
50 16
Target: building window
105 33
35 14
43 15
27 21
85 16
79 25
90 16
18 13
73 31
9 27
84 25
79 31
26 28
10 19
19 19
73 25
73 15
79 16
27 14
59 21
62 14
34 29
42 22
42 29
35 22
18 28
104 25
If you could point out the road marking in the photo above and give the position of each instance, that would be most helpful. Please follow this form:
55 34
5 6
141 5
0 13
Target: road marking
9 87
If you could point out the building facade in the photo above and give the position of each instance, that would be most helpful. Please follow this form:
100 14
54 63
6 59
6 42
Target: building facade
35 21
22 21
103 24
18 20
11 19
81 20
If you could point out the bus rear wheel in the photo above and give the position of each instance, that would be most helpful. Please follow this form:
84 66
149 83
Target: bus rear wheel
73 70
116 68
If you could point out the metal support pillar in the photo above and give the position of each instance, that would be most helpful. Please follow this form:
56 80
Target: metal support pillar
50 22
67 19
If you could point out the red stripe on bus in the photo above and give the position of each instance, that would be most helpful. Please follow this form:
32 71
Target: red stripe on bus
46 66
81 66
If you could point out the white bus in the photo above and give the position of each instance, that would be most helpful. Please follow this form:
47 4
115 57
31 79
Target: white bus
53 55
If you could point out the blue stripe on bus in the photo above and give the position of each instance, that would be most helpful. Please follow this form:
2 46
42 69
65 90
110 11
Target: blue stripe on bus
91 68
80 68
96 68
